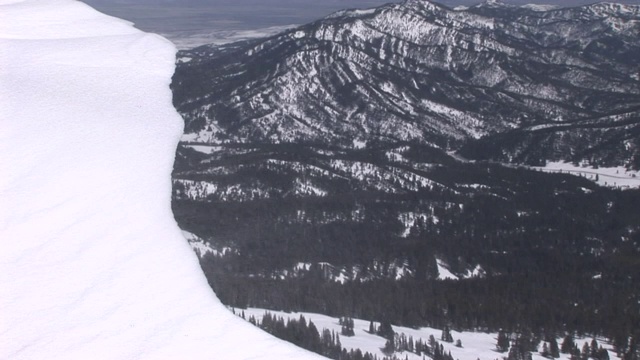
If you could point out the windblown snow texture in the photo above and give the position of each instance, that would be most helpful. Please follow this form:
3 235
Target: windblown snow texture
92 264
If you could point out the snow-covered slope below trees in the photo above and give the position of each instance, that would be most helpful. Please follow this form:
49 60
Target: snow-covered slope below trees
92 264
475 345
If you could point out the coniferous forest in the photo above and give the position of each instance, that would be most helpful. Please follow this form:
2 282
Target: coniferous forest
549 253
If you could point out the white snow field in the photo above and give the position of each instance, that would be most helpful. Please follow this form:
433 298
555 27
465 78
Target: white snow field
475 345
92 263
616 177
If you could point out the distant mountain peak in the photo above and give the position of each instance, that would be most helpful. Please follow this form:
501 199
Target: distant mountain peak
540 7
492 3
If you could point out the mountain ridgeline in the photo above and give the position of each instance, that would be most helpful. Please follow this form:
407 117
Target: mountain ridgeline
369 165
493 81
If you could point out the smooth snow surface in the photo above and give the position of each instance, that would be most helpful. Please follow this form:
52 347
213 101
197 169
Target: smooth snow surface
92 264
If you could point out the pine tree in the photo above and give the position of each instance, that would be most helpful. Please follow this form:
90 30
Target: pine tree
594 348
433 345
567 345
502 344
633 353
554 351
545 351
620 343
389 347
586 351
602 354
520 350
514 354
386 330
347 327
576 351
446 334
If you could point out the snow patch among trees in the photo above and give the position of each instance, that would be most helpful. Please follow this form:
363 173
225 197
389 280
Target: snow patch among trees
616 177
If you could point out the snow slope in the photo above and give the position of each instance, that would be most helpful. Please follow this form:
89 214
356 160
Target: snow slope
475 345
92 264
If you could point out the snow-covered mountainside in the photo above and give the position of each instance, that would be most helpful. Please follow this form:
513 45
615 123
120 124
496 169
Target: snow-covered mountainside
535 84
92 264
330 168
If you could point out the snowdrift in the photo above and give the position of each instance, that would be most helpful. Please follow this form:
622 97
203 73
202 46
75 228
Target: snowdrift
92 264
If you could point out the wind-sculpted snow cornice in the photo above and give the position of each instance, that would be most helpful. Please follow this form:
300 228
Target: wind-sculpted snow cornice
93 264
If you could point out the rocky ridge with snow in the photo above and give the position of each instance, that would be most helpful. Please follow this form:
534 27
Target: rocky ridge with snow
531 84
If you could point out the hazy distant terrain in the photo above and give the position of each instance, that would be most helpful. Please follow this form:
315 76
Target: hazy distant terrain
190 23
193 23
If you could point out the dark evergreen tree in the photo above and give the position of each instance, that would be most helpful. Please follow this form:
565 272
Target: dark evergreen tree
633 352
586 351
575 352
446 334
389 346
386 330
620 343
567 345
554 351
594 348
347 327
601 354
545 351
502 344
520 349
433 345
